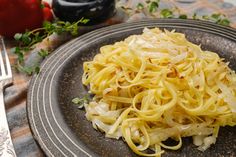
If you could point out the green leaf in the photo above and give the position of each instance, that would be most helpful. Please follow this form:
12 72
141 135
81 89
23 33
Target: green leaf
37 69
20 56
76 100
216 16
166 13
153 7
206 17
27 70
83 20
15 50
18 36
183 16
48 26
67 24
26 38
26 49
43 53
60 30
224 22
80 101
37 37
140 6
74 30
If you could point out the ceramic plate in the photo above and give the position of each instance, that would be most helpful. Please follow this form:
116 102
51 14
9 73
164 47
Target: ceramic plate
61 129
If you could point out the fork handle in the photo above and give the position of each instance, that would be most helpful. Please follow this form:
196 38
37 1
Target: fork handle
6 145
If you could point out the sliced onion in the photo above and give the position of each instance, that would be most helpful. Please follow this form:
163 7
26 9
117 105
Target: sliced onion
228 97
207 142
101 125
155 55
179 58
101 108
198 140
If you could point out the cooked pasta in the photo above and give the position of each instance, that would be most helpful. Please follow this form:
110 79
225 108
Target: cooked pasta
158 86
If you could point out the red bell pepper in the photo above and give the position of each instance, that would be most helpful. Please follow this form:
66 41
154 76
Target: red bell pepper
19 15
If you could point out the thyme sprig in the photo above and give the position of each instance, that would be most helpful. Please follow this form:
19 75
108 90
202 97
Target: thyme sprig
152 8
27 40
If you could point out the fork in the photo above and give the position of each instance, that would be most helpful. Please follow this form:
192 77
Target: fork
6 145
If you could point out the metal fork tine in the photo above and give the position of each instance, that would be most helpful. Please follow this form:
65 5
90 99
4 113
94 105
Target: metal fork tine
3 71
9 72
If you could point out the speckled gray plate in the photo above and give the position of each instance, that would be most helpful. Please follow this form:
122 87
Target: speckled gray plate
62 130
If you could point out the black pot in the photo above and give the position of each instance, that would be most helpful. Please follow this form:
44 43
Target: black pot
73 10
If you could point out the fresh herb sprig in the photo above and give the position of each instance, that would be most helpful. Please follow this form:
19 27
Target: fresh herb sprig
81 101
26 41
166 13
152 7
140 6
217 18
